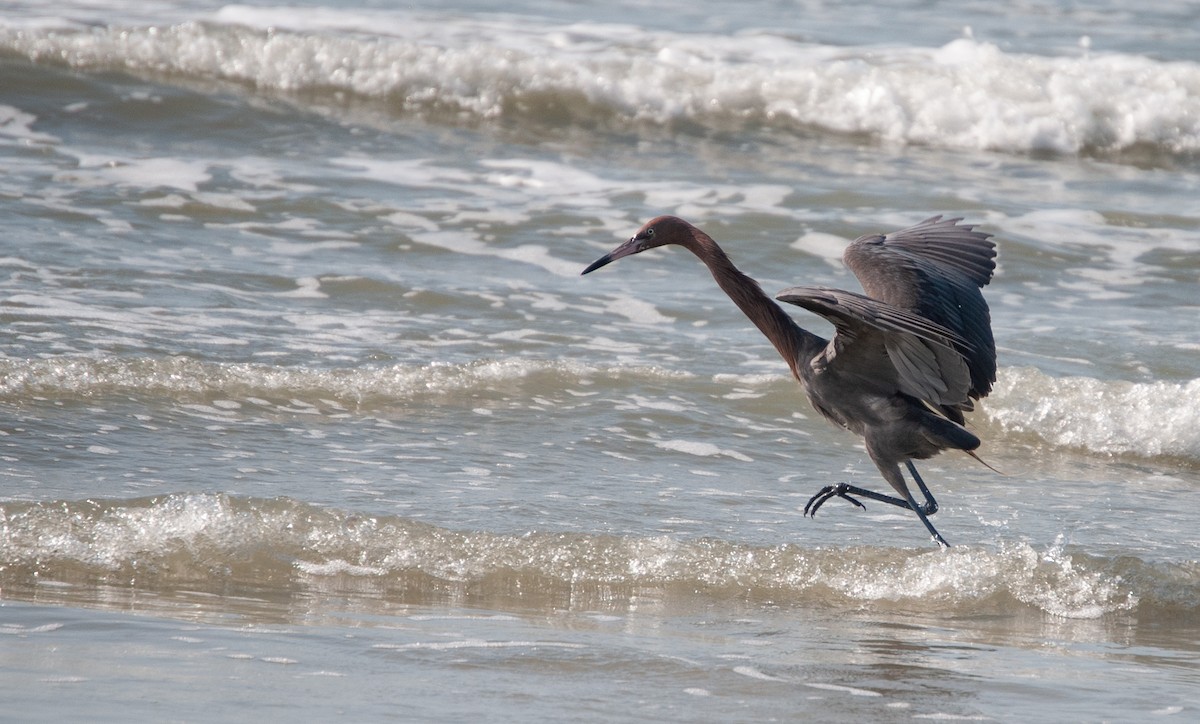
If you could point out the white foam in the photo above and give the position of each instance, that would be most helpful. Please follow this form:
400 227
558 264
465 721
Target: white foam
1142 418
337 566
1121 247
176 173
700 449
110 540
296 389
477 644
17 126
19 630
754 673
852 690
463 242
284 537
635 309
828 247
965 94
1050 581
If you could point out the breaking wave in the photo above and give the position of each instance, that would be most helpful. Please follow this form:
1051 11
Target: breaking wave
965 94
210 541
175 377
1148 419
1106 416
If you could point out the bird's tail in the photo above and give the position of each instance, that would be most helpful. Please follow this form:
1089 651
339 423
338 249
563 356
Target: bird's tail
947 434
982 462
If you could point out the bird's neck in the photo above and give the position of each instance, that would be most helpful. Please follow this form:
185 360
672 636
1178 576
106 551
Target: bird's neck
794 343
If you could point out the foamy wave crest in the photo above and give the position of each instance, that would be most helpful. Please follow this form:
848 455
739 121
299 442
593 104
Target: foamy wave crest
966 94
1139 418
216 540
173 377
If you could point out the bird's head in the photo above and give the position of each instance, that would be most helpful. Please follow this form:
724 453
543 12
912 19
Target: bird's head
658 231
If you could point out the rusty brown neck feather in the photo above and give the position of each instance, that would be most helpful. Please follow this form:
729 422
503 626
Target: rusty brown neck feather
795 344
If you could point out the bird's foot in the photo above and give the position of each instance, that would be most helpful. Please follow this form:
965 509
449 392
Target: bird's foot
841 490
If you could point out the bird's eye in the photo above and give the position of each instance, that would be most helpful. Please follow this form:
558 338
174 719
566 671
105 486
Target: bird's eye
650 233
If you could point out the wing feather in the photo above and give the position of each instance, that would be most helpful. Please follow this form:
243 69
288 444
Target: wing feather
922 355
936 269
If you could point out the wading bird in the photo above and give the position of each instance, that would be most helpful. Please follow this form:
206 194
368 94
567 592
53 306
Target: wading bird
906 359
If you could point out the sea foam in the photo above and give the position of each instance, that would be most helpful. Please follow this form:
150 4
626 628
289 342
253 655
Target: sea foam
1106 416
189 539
965 94
182 378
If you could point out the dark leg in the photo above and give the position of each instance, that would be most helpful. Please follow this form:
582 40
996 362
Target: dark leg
925 519
931 505
893 476
846 490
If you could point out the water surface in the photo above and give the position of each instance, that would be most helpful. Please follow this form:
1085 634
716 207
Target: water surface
308 412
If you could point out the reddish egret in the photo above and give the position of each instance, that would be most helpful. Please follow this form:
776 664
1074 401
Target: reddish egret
906 359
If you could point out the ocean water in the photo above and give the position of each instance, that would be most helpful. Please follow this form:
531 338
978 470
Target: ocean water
307 412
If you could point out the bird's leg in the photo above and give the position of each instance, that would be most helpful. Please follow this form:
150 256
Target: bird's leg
846 490
893 476
931 505
919 510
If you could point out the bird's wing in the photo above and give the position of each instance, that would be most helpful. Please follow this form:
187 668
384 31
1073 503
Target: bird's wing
880 341
944 245
935 269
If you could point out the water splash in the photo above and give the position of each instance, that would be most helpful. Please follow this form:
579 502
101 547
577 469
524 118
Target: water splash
212 540
1107 416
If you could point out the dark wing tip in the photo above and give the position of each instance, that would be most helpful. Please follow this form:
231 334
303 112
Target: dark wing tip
943 246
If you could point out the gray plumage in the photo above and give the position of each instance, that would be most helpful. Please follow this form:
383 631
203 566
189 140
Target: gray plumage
908 357
936 269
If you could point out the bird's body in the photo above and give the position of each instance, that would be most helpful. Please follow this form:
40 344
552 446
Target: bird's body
907 358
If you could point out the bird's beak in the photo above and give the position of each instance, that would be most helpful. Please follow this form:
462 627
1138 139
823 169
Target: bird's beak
632 246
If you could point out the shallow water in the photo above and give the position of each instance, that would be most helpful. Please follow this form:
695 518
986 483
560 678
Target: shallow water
302 386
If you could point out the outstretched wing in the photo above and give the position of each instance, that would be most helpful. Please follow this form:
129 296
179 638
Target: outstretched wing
936 269
880 342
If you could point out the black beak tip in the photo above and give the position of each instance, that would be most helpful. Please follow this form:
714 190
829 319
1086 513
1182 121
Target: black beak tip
597 264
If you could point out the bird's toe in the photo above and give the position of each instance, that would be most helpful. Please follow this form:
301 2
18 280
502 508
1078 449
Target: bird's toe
841 490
